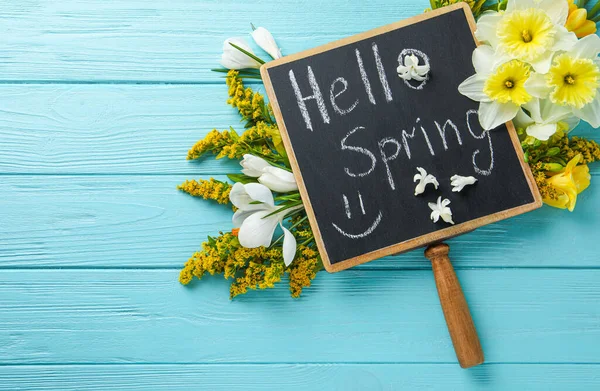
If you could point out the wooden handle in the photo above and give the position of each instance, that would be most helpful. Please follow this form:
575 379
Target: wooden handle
456 311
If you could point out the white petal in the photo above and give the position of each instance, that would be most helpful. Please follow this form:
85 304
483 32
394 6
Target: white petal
260 193
265 40
487 28
472 88
564 39
483 59
587 47
278 180
289 246
232 58
590 113
253 165
543 63
522 120
541 131
535 110
551 113
435 215
557 10
494 114
536 86
240 215
572 122
257 231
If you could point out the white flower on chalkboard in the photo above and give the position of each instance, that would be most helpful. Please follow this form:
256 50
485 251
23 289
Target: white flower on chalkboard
265 40
460 182
233 58
411 70
424 179
275 178
257 218
441 209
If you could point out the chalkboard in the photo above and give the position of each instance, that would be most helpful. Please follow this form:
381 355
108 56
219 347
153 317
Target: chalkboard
356 133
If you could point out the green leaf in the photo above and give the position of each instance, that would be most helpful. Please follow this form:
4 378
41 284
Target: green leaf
241 178
247 53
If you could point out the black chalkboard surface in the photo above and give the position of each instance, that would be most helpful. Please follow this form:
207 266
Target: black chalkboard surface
356 133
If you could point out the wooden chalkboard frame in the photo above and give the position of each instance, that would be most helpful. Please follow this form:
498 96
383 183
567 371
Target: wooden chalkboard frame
414 243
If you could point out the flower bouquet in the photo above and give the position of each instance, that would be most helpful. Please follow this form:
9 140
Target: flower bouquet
537 66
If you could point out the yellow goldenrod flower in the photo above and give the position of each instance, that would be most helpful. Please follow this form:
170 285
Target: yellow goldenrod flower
574 81
568 183
526 34
209 190
507 83
578 22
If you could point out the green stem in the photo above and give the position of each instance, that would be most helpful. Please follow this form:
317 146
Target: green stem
247 53
594 11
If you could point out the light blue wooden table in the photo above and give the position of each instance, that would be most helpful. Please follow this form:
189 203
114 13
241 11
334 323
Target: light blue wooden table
99 102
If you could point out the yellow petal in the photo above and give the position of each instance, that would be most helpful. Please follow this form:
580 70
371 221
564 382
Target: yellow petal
587 28
576 19
561 203
582 178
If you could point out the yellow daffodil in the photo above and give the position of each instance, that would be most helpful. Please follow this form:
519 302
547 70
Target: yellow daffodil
569 183
530 31
499 87
573 80
578 22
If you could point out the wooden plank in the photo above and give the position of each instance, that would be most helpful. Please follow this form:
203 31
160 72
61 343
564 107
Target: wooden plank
53 129
143 221
297 377
115 129
174 41
145 316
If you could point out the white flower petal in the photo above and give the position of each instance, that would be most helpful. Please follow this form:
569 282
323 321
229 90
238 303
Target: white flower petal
240 215
483 60
522 120
278 180
590 113
487 28
543 63
472 88
542 131
557 10
253 165
564 39
289 246
494 114
536 85
265 40
257 231
260 193
587 47
232 58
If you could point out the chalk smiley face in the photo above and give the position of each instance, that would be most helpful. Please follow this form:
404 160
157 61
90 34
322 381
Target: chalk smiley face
366 232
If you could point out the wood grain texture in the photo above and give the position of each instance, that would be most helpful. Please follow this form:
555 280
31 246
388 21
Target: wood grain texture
143 221
300 377
166 41
145 316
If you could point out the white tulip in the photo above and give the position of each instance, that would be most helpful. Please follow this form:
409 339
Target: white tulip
441 209
424 180
278 180
275 178
232 58
265 40
253 166
255 202
459 182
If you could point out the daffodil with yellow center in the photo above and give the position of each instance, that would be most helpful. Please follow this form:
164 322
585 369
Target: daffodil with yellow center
500 88
530 31
568 184
507 84
526 34
574 81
